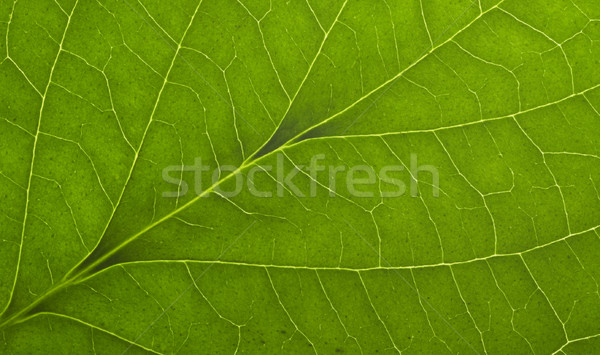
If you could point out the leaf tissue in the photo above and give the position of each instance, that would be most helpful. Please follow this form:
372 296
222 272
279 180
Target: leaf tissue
302 176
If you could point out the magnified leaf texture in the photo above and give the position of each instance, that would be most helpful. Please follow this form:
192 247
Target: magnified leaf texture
300 176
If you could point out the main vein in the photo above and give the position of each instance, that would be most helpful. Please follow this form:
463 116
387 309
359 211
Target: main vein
73 277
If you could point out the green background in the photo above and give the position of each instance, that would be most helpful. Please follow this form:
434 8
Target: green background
98 96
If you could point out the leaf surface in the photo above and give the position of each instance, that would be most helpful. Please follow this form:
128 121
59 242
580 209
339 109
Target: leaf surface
97 97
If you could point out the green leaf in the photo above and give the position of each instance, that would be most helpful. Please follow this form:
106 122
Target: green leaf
500 99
